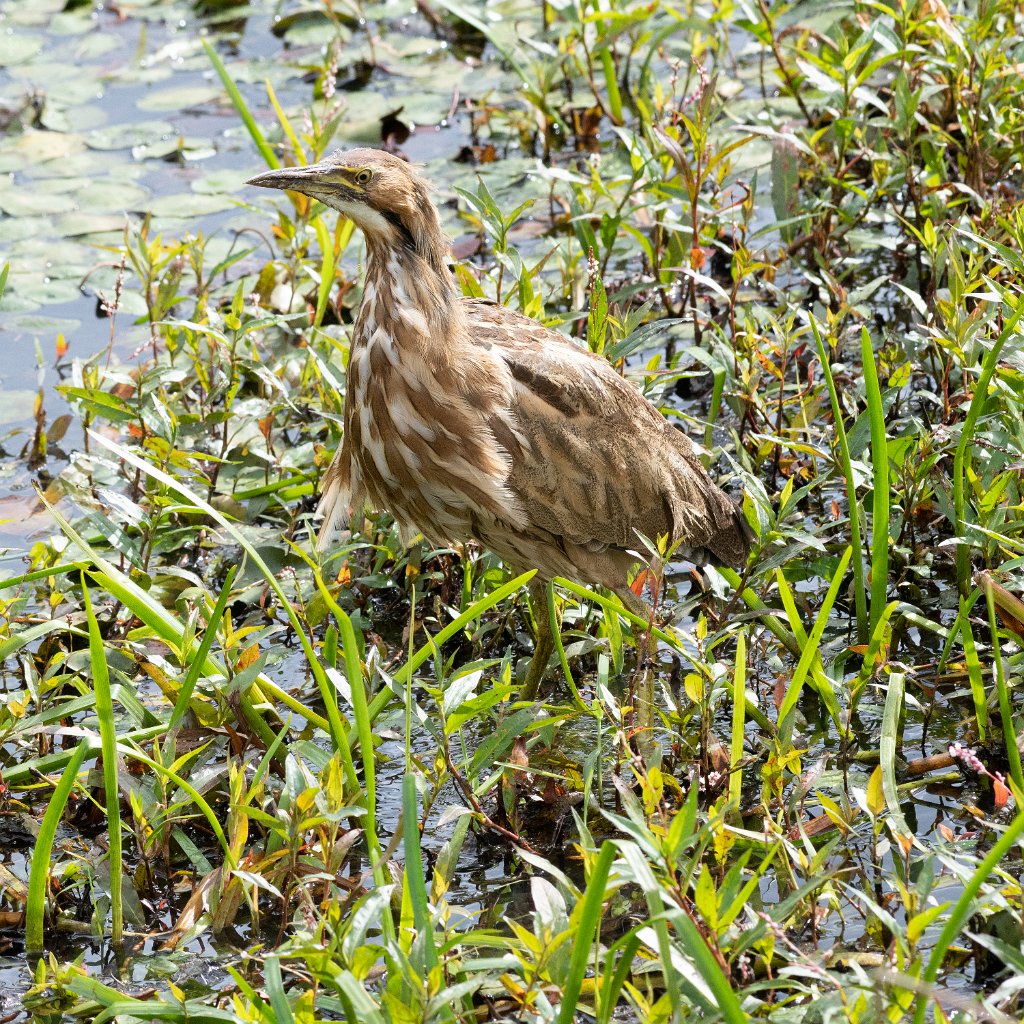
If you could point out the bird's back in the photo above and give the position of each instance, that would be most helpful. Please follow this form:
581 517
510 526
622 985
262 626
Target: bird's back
593 464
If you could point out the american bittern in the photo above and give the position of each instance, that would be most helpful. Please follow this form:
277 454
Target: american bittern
464 419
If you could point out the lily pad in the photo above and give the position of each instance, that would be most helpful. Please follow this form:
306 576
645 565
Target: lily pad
112 197
36 146
61 89
187 149
189 205
28 202
17 405
81 222
81 117
178 98
126 136
219 182
18 49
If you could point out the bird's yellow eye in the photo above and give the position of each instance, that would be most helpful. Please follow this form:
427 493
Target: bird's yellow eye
364 176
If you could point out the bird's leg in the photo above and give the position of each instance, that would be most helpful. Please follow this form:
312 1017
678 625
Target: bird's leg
540 596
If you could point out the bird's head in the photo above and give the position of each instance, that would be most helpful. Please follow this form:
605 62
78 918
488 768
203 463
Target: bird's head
382 194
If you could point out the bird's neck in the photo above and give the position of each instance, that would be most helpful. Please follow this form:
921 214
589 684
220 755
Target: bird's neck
413 296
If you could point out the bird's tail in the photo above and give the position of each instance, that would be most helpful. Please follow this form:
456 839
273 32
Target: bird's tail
731 542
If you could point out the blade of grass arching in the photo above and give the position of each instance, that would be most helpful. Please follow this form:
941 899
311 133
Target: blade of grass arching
1002 691
108 747
274 985
964 907
715 407
326 271
192 675
356 679
556 635
197 798
963 447
587 929
336 730
268 154
25 773
820 681
472 613
39 872
286 125
978 696
889 744
880 483
810 651
415 887
739 706
755 604
846 463
611 84
38 574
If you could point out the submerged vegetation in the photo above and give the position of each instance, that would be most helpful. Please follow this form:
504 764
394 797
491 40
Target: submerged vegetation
254 783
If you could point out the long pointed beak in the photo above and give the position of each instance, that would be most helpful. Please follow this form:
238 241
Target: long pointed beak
296 179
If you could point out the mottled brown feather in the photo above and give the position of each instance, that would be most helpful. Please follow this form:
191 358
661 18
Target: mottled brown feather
465 419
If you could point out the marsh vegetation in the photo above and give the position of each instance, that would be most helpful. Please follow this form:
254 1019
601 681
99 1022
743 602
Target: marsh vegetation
241 781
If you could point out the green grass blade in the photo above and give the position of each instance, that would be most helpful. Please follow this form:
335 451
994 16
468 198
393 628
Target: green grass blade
846 464
108 746
364 731
810 651
268 154
326 271
889 745
588 934
199 660
880 484
415 887
39 872
739 705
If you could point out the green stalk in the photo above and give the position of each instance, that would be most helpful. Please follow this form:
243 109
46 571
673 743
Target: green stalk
108 745
415 887
556 635
889 746
364 730
35 905
39 574
199 660
588 934
269 156
846 464
810 652
612 85
739 706
880 484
